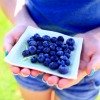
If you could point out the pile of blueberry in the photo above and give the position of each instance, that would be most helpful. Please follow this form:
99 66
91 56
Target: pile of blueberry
50 51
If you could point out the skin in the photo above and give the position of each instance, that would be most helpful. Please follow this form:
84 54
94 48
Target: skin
90 57
20 22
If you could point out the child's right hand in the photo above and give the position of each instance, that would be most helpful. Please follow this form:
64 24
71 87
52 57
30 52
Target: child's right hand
10 40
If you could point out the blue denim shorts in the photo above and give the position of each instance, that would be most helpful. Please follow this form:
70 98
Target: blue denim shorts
87 89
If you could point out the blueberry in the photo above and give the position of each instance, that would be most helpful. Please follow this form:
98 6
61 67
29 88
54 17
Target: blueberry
61 62
63 58
53 46
38 51
46 38
67 62
40 47
39 39
25 53
53 39
46 55
59 43
41 54
71 48
46 44
70 41
40 58
31 38
60 38
33 59
63 69
52 53
54 58
53 65
65 46
39 43
28 41
67 51
46 50
36 36
47 62
67 55
32 43
58 48
32 50
60 53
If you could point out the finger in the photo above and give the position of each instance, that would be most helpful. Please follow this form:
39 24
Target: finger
15 70
18 31
8 43
86 53
40 73
35 73
66 83
83 65
45 77
25 72
13 36
85 57
52 80
94 63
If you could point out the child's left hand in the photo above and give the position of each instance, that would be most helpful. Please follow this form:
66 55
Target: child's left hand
90 59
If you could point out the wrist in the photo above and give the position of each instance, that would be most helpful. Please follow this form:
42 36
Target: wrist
95 33
23 18
26 23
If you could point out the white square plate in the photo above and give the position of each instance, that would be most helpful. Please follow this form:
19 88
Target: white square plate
15 55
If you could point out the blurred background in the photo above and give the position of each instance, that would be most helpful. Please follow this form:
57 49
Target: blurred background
8 86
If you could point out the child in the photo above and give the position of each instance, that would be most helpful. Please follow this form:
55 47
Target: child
70 17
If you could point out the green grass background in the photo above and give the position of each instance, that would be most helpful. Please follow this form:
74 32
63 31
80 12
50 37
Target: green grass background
8 86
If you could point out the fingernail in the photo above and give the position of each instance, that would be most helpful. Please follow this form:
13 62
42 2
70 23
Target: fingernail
50 84
6 53
43 80
59 87
15 74
34 76
92 72
23 75
40 73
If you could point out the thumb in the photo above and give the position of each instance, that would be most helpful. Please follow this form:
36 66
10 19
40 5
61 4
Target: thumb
13 36
94 64
8 43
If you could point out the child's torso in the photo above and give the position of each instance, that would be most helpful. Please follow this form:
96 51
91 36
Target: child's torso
73 15
62 15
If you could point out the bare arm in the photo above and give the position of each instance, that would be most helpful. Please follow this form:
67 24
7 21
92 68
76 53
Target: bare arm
16 12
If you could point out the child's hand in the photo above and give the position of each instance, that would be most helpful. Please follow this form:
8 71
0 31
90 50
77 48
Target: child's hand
90 59
10 40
